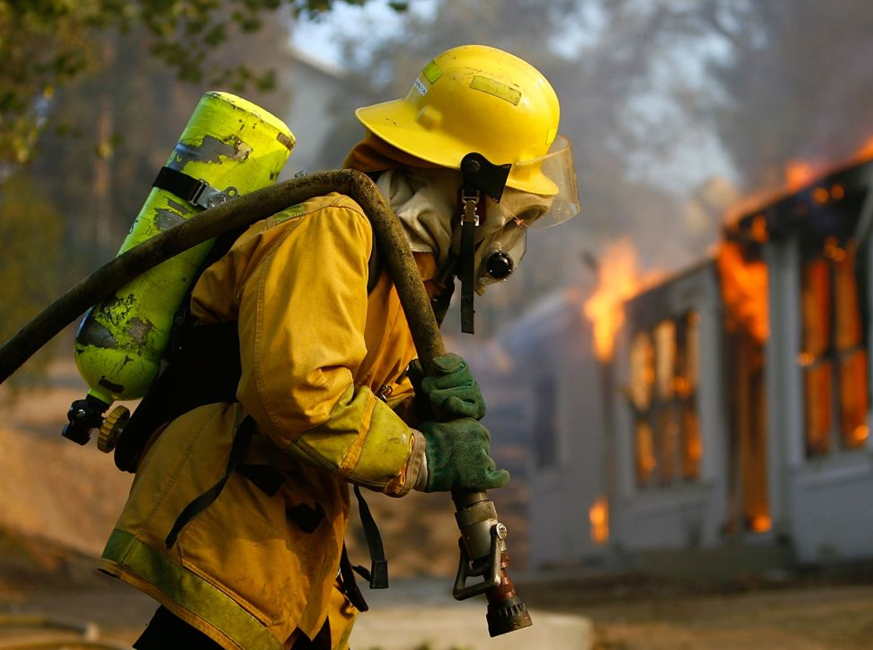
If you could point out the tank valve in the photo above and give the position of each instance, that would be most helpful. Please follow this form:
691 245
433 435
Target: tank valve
111 428
84 415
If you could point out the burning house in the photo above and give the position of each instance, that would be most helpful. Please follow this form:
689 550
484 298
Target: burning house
725 407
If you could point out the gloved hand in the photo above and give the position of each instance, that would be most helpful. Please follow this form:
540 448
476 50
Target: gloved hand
453 393
457 457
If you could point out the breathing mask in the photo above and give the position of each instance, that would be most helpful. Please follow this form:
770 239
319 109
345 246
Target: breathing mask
505 238
495 216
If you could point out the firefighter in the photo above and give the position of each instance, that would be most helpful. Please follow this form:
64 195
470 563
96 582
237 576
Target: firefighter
236 516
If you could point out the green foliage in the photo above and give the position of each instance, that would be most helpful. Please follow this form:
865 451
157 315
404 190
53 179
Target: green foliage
46 43
31 231
114 131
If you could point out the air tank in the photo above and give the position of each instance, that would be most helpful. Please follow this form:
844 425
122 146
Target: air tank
229 147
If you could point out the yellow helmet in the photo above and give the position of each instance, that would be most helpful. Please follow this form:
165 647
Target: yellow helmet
475 98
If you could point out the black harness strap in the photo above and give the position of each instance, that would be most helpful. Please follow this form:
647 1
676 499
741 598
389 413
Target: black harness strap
378 574
204 369
194 191
469 221
241 441
348 583
441 302
179 183
481 178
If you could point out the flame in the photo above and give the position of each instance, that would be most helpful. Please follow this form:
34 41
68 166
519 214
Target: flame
598 515
798 174
859 435
744 290
865 151
761 523
619 281
801 173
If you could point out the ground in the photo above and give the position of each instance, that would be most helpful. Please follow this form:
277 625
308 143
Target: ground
807 611
58 503
799 616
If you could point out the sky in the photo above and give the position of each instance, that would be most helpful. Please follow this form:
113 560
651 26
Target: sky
689 164
371 23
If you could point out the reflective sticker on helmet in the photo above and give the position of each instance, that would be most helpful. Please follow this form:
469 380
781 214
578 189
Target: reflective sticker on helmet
496 88
420 87
432 72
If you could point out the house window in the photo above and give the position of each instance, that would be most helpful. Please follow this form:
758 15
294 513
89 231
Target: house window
663 395
545 435
834 354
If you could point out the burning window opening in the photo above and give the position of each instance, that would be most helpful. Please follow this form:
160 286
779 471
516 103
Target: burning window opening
749 506
663 395
744 279
598 516
834 351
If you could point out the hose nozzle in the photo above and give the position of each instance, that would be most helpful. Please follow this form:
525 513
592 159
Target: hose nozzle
483 553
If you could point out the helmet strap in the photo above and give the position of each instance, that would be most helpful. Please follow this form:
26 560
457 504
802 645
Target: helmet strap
480 177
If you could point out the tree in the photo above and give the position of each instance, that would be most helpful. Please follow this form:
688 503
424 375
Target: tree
44 44
117 128
31 230
798 84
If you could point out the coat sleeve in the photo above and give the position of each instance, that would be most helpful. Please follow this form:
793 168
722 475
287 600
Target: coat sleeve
302 314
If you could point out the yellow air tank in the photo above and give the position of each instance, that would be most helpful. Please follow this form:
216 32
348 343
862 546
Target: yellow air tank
230 147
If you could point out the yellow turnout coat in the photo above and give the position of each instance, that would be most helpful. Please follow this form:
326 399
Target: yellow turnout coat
317 354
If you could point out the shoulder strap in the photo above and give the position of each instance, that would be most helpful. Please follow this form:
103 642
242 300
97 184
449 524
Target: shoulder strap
241 441
378 573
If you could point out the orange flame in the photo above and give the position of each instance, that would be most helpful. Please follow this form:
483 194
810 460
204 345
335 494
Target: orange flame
744 290
761 523
619 280
598 515
865 151
798 174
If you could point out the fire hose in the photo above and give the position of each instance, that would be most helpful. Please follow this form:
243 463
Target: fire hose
482 541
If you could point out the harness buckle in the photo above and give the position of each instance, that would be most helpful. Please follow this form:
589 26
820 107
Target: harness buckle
470 201
206 196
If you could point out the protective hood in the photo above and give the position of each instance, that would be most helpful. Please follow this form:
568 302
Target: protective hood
425 200
424 196
372 154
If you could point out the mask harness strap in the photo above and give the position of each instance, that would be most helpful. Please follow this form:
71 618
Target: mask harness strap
479 177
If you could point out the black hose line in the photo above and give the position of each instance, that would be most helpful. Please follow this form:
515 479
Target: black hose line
235 214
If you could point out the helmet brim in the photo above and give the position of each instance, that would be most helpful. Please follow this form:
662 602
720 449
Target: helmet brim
396 122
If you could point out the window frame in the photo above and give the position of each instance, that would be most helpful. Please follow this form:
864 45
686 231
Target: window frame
667 442
824 361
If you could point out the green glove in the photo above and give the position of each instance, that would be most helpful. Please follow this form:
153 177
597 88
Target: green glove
457 455
454 392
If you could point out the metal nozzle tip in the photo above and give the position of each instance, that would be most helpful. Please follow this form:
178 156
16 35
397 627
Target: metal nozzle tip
506 618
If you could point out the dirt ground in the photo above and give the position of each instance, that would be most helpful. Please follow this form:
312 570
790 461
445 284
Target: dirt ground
58 503
626 617
812 612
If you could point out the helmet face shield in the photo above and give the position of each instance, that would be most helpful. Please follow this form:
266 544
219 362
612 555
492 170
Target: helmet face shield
557 165
508 222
